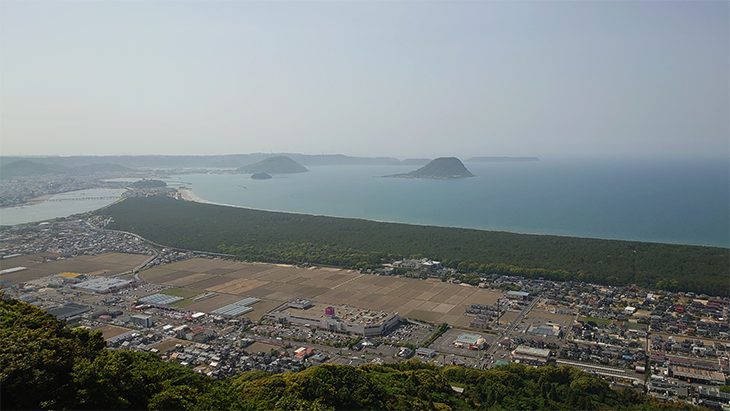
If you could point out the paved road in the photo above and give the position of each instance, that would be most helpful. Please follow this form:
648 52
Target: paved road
507 332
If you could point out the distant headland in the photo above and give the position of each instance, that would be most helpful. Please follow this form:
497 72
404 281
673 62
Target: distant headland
440 168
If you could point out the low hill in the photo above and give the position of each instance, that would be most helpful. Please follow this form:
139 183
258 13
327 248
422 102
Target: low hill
24 168
441 168
147 183
260 176
101 168
274 165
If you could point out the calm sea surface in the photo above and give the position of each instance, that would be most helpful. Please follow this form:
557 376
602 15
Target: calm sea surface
670 202
60 205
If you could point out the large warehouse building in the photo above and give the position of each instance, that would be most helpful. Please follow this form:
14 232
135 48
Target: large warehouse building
697 375
529 355
341 319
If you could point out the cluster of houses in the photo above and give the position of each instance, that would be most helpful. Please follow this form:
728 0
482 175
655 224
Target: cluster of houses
68 239
220 360
689 346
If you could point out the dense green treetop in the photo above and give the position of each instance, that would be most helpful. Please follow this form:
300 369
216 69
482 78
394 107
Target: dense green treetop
147 183
44 365
265 236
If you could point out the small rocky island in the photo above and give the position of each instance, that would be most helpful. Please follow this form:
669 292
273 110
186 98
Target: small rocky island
440 168
260 176
273 165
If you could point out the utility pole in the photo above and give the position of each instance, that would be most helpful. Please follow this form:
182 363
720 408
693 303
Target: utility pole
647 369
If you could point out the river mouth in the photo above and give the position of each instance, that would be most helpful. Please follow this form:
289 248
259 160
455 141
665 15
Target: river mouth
59 205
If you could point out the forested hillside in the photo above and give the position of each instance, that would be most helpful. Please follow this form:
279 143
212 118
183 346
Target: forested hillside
44 365
296 238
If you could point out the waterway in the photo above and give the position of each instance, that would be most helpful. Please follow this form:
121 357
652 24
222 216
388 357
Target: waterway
60 205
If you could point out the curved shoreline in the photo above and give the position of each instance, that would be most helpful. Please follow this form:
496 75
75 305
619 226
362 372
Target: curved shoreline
189 195
43 208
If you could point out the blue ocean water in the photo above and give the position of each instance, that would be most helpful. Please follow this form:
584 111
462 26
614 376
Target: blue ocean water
656 201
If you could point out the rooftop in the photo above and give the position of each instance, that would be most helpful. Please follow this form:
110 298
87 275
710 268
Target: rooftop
533 352
104 284
160 299
468 338
237 308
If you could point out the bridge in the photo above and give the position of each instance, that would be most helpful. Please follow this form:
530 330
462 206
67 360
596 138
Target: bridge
84 198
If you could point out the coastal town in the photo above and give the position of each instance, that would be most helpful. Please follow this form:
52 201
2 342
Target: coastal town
220 316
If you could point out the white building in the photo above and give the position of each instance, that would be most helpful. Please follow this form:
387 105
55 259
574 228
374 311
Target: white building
340 319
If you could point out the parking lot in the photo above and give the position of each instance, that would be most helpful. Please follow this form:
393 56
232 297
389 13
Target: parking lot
412 333
445 344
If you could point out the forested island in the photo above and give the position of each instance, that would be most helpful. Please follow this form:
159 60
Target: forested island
260 176
440 168
274 165
290 238
46 365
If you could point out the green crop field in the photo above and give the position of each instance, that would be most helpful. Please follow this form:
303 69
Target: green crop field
181 292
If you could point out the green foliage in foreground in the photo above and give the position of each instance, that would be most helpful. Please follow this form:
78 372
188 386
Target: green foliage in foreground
296 238
44 365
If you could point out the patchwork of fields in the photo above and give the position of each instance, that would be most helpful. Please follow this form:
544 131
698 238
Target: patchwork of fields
432 300
104 264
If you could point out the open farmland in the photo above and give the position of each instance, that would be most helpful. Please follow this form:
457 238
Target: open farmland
431 300
109 331
37 266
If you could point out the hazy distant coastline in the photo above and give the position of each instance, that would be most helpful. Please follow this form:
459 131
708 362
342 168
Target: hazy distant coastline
226 160
501 159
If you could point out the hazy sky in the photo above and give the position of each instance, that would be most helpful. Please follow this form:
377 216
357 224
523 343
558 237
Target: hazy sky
375 78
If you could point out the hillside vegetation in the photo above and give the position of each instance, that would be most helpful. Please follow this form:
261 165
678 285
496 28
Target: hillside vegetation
265 236
45 365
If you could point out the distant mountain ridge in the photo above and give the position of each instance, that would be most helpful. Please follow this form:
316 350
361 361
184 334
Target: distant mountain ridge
208 161
231 160
274 165
440 168
25 168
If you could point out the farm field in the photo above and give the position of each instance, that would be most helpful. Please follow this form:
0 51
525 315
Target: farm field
546 316
109 331
103 264
170 343
426 300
